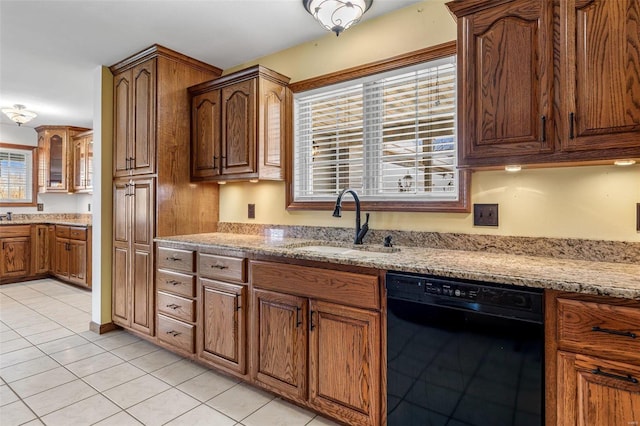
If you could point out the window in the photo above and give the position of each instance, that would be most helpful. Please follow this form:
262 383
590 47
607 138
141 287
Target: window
16 175
391 136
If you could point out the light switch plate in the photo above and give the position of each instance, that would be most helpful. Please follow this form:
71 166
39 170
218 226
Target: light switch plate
485 215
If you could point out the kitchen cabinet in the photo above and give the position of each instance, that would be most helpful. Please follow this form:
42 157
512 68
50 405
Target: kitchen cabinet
132 283
223 304
42 237
72 254
16 252
83 162
55 153
301 319
240 125
593 376
153 194
532 95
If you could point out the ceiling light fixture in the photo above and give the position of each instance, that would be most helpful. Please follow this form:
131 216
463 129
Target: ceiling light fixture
625 162
19 115
337 15
513 168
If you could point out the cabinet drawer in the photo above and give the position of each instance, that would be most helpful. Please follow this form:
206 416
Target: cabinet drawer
175 306
62 231
222 267
78 234
175 259
15 231
601 329
174 282
176 333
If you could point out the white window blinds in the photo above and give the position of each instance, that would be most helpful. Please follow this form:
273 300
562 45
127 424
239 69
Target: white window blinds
16 176
389 136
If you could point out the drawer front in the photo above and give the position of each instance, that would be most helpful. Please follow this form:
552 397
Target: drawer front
7 231
176 259
176 283
175 306
222 267
62 231
346 288
78 234
607 331
176 333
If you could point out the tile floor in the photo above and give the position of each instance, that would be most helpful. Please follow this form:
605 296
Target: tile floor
55 371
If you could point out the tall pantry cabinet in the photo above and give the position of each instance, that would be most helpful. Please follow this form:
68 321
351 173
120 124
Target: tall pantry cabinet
152 192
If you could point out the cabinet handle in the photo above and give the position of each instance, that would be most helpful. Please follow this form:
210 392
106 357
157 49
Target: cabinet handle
628 378
126 163
173 282
173 259
311 326
173 306
571 120
214 162
218 266
131 160
543 129
238 307
298 320
174 333
616 332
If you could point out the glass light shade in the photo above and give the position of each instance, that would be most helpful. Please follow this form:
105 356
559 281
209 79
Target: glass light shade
625 162
337 15
19 114
513 168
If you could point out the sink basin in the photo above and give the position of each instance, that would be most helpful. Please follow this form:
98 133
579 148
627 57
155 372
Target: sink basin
346 249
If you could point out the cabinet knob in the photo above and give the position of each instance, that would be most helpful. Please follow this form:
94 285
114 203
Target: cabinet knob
173 306
173 333
219 266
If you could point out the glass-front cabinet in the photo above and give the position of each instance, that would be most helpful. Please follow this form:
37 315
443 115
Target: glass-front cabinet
83 162
56 158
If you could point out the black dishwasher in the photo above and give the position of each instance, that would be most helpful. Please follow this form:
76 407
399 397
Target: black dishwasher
463 352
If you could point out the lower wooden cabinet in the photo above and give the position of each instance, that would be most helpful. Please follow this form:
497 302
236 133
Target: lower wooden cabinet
42 237
16 252
72 254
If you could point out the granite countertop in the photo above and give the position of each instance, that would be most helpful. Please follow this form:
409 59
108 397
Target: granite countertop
70 222
604 278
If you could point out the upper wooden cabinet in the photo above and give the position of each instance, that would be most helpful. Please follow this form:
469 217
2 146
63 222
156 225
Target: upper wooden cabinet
83 162
55 158
529 94
239 126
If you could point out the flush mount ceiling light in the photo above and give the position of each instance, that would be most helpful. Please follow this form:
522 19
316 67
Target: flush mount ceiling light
513 168
625 162
337 15
19 114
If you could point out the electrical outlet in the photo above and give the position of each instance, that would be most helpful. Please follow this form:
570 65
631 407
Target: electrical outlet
251 211
485 215
40 207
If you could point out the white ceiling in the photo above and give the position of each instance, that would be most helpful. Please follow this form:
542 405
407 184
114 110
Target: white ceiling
50 49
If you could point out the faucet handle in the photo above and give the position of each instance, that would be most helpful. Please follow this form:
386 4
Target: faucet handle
387 241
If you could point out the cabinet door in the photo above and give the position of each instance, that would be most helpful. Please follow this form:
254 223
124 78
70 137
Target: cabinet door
344 362
15 257
121 282
280 343
143 140
592 391
78 261
600 82
273 115
122 133
222 333
61 266
239 128
79 164
205 135
43 164
56 179
505 69
41 249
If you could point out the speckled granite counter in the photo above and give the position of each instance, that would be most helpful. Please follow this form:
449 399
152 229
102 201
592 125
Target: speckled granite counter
604 278
71 219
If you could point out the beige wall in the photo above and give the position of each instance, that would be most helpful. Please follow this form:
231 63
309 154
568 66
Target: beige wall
596 202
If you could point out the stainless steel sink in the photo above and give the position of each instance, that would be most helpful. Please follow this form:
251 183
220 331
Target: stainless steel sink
343 249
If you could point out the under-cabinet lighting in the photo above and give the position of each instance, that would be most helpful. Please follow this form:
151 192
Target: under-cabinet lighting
253 180
221 182
625 162
513 168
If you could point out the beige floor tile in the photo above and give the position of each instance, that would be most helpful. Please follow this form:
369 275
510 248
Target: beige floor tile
155 360
59 397
16 413
179 372
77 353
62 344
202 415
34 422
279 413
117 341
135 391
4 327
7 396
85 412
121 419
6 336
135 350
42 382
114 376
21 355
163 407
93 364
40 327
27 368
321 421
14 345
207 385
48 336
240 401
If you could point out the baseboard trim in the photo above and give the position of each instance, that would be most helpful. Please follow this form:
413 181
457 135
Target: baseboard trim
102 328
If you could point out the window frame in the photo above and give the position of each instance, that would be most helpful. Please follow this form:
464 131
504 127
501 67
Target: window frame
462 205
34 174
